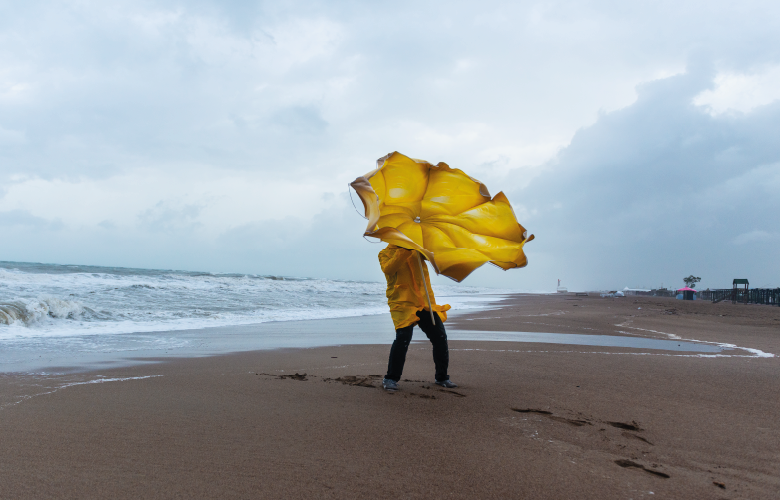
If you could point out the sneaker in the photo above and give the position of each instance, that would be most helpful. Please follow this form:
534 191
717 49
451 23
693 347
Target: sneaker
447 384
389 385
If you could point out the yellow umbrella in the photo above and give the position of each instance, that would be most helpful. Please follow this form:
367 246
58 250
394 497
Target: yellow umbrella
442 213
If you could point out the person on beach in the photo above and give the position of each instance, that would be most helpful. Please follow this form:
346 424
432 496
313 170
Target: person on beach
409 307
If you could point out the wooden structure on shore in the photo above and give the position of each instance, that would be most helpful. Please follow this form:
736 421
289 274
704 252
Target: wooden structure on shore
740 292
736 287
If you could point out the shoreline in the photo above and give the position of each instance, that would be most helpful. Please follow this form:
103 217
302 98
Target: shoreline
526 318
88 352
527 420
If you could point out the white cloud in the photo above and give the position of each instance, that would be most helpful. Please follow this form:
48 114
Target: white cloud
741 92
224 199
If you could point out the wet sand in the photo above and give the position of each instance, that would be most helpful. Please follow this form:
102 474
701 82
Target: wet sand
530 420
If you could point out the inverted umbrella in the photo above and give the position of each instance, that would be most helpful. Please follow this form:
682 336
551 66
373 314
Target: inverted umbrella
442 213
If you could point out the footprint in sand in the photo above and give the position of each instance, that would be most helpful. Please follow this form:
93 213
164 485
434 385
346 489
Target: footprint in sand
634 436
356 380
454 393
633 426
531 410
549 414
629 464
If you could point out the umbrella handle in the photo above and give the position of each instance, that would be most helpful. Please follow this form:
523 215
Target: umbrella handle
425 287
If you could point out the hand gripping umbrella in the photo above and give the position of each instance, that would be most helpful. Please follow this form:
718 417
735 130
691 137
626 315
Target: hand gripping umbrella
443 214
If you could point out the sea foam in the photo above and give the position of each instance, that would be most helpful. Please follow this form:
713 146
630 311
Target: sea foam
40 300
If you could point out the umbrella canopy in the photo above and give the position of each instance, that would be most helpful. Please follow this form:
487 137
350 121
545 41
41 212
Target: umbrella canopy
441 212
686 289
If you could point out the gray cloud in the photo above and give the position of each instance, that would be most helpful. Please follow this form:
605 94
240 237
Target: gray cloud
659 189
301 119
309 93
169 217
24 219
102 87
330 244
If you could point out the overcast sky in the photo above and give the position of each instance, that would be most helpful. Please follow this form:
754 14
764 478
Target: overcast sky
637 140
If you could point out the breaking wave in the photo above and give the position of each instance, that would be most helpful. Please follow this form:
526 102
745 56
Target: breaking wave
28 312
42 300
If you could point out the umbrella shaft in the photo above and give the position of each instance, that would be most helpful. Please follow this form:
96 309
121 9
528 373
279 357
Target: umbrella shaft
425 287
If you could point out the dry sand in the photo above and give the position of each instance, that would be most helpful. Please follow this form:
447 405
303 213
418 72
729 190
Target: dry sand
530 420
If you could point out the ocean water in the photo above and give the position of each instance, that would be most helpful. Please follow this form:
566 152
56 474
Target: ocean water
57 319
40 301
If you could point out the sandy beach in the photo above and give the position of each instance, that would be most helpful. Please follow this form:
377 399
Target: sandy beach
529 420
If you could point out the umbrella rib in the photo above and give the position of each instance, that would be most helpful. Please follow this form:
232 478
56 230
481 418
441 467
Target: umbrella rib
434 224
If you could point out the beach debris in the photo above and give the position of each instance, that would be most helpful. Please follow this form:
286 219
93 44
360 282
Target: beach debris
297 376
630 464
719 485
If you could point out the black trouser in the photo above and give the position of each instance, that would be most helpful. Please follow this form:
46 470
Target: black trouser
437 336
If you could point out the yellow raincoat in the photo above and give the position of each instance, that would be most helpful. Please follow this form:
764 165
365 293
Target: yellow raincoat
405 294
